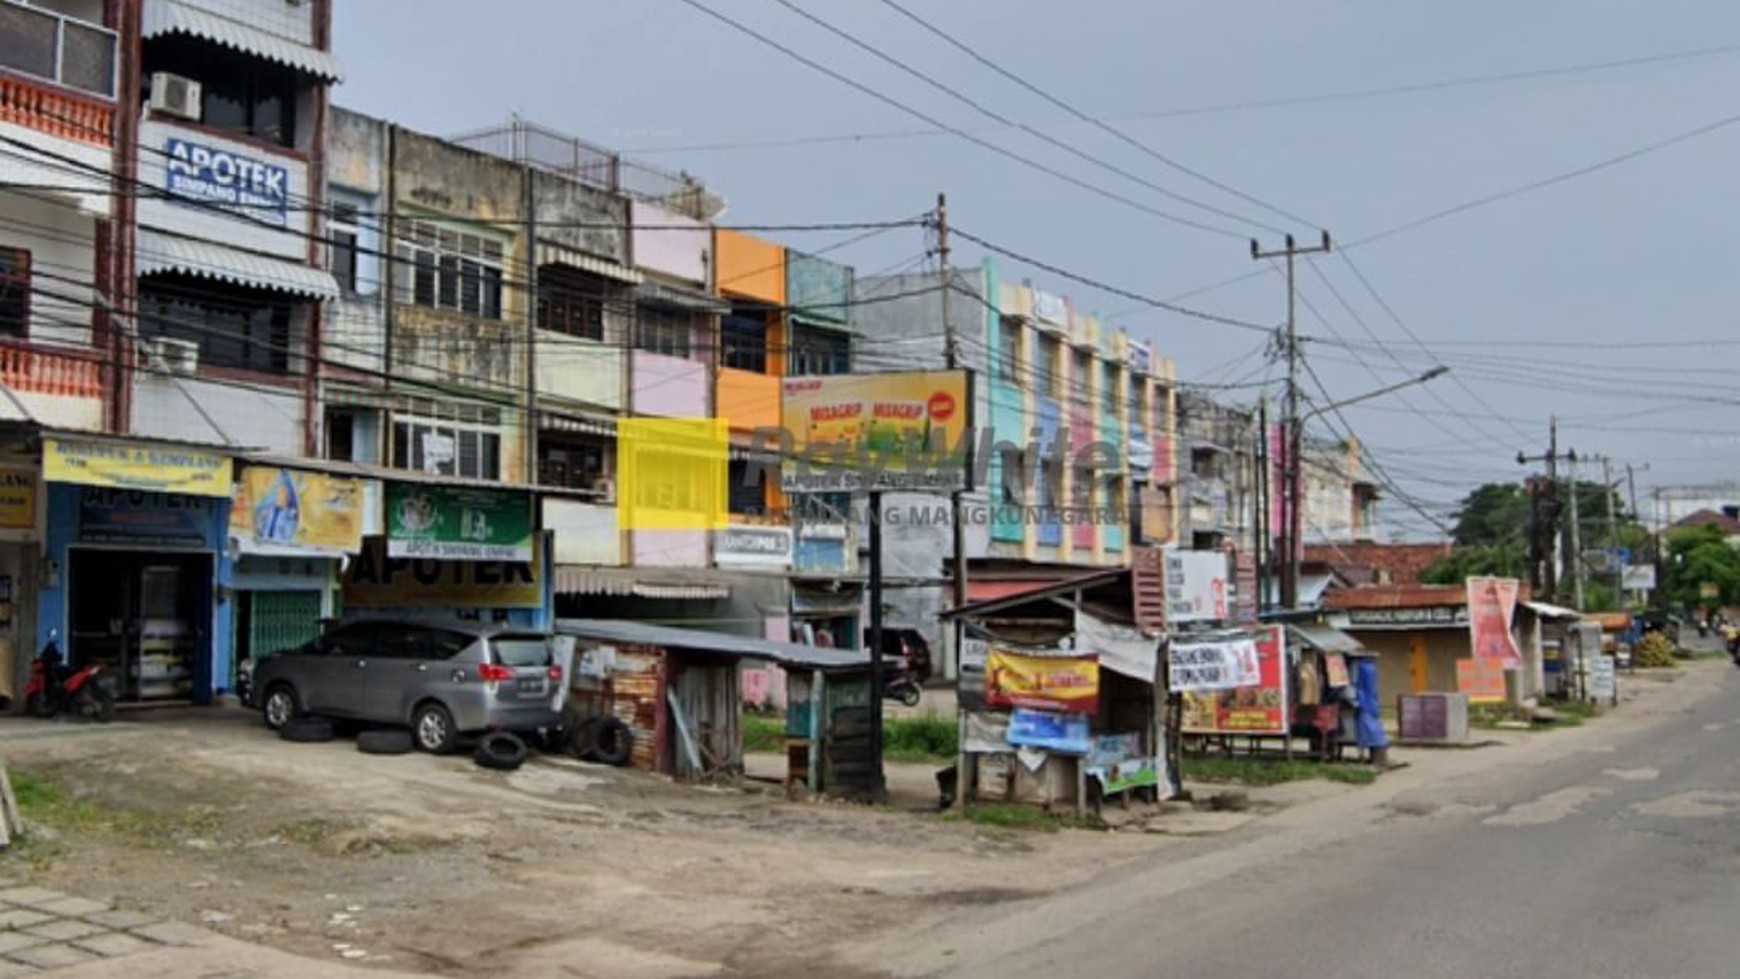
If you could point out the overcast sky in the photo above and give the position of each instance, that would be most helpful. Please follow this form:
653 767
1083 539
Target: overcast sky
1639 253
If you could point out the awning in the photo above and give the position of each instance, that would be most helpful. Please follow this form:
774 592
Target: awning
655 294
549 254
1327 640
576 580
697 640
159 253
171 17
1546 611
576 422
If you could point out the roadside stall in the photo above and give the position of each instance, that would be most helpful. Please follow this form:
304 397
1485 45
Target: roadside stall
1326 694
1059 700
677 696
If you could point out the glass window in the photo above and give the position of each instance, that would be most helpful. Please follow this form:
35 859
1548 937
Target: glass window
744 342
1081 377
1046 369
817 352
241 329
572 302
357 639
521 651
241 93
1110 381
447 449
1014 478
422 642
664 330
1009 366
14 292
743 496
451 269
575 461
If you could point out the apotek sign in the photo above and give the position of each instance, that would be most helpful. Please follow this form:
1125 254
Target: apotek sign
750 546
218 176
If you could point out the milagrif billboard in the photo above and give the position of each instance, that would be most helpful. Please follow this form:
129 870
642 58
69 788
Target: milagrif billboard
896 431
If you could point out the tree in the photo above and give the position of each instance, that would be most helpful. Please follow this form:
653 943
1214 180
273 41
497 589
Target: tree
1494 515
1699 556
1495 524
1474 562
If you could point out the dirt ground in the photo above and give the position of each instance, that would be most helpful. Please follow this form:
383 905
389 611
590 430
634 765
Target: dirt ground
559 869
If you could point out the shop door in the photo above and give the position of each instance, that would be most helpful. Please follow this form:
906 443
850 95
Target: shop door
1418 679
17 632
280 620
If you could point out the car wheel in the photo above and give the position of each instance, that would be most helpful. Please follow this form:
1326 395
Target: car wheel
384 742
306 730
613 743
280 706
501 751
432 729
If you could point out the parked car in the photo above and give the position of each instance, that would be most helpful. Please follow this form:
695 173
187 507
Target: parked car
443 680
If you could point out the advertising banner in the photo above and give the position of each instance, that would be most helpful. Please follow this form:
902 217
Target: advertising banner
17 499
294 510
1196 586
1063 733
1257 708
1482 679
1639 577
1070 684
748 546
215 175
122 465
894 431
1491 608
113 516
376 581
458 523
1200 667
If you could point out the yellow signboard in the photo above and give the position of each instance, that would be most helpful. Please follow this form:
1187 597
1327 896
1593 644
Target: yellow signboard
895 431
375 581
136 466
290 508
1069 684
17 499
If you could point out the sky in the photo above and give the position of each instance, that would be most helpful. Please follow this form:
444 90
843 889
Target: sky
1605 298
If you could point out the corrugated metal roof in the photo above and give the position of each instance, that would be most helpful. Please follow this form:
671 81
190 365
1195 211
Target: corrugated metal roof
170 17
549 254
626 582
1548 611
160 252
645 633
1326 639
658 294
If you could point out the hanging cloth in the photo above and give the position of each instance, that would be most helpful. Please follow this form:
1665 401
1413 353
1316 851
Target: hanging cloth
1310 680
1371 725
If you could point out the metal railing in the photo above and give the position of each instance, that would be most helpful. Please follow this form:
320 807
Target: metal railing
540 147
58 48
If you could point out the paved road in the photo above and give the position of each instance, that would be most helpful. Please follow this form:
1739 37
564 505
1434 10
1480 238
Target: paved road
1609 851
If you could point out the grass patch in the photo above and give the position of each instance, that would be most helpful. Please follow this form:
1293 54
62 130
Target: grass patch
1260 771
1572 713
1019 818
763 733
928 737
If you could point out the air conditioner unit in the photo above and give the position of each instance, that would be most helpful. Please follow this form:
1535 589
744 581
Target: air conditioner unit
175 95
167 356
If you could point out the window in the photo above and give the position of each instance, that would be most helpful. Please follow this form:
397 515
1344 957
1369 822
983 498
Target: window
581 462
417 642
340 435
744 342
1050 485
444 268
351 640
1009 349
1046 368
14 292
242 329
241 93
1112 500
1014 478
462 440
1081 376
663 330
1141 404
1110 381
61 49
816 352
571 301
1081 493
520 651
743 497
344 247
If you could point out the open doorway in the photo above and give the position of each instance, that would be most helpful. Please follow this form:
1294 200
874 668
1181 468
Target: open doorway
144 615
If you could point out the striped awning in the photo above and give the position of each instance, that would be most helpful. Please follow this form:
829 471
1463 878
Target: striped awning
549 254
625 583
160 252
655 294
576 422
171 17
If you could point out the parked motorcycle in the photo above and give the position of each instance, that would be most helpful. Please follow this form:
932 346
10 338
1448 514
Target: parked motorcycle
903 687
52 690
245 681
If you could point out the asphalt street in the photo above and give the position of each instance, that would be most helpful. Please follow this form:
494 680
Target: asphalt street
1609 851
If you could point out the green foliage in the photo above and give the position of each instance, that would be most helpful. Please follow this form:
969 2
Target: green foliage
1498 560
1494 515
761 733
1653 652
1259 771
1697 556
928 737
1599 597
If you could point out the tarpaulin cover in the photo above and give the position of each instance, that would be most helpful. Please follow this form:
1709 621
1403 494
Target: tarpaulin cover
1371 725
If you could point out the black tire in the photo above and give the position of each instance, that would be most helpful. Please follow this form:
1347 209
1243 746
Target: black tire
384 742
280 706
910 695
38 705
96 703
307 730
501 751
613 743
432 729
583 738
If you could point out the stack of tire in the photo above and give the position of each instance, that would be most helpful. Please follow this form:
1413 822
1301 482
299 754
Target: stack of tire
498 750
604 739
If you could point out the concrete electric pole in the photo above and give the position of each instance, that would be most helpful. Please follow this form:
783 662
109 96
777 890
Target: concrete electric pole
1291 504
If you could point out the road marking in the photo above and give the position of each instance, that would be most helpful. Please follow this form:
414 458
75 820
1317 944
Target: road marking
1633 774
1714 726
1549 808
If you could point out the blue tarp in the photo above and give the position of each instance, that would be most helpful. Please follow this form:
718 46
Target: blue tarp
1371 723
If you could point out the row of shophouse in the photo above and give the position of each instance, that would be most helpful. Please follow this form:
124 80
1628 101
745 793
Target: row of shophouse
266 360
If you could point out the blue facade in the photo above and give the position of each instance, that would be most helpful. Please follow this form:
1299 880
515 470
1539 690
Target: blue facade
820 555
88 523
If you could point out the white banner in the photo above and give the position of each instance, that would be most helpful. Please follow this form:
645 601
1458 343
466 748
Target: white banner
1122 649
1201 667
1196 586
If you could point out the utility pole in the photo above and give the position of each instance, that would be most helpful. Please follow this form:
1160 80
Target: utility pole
951 349
1608 489
1290 497
1260 493
1546 512
1576 542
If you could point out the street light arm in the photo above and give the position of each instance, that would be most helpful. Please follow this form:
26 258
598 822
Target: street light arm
1430 375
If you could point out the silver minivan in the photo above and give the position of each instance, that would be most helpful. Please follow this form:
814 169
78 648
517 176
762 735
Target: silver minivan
443 680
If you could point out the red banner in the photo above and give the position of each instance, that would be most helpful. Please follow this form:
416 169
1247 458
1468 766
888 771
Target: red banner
1491 609
1261 709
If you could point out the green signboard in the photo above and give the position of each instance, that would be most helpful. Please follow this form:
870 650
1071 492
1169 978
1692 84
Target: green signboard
458 523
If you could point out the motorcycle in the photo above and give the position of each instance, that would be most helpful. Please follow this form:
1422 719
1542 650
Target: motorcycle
53 691
903 687
245 681
1734 644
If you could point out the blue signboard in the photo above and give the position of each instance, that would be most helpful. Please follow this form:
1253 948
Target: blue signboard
117 516
1063 733
215 175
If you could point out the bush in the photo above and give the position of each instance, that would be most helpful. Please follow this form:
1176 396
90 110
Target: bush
929 736
1653 651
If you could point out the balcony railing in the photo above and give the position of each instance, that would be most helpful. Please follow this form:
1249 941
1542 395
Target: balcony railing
57 48
39 370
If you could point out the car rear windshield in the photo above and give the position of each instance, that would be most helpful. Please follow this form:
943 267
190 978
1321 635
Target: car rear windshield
521 650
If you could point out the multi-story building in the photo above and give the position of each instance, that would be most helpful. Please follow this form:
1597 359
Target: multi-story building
1075 440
